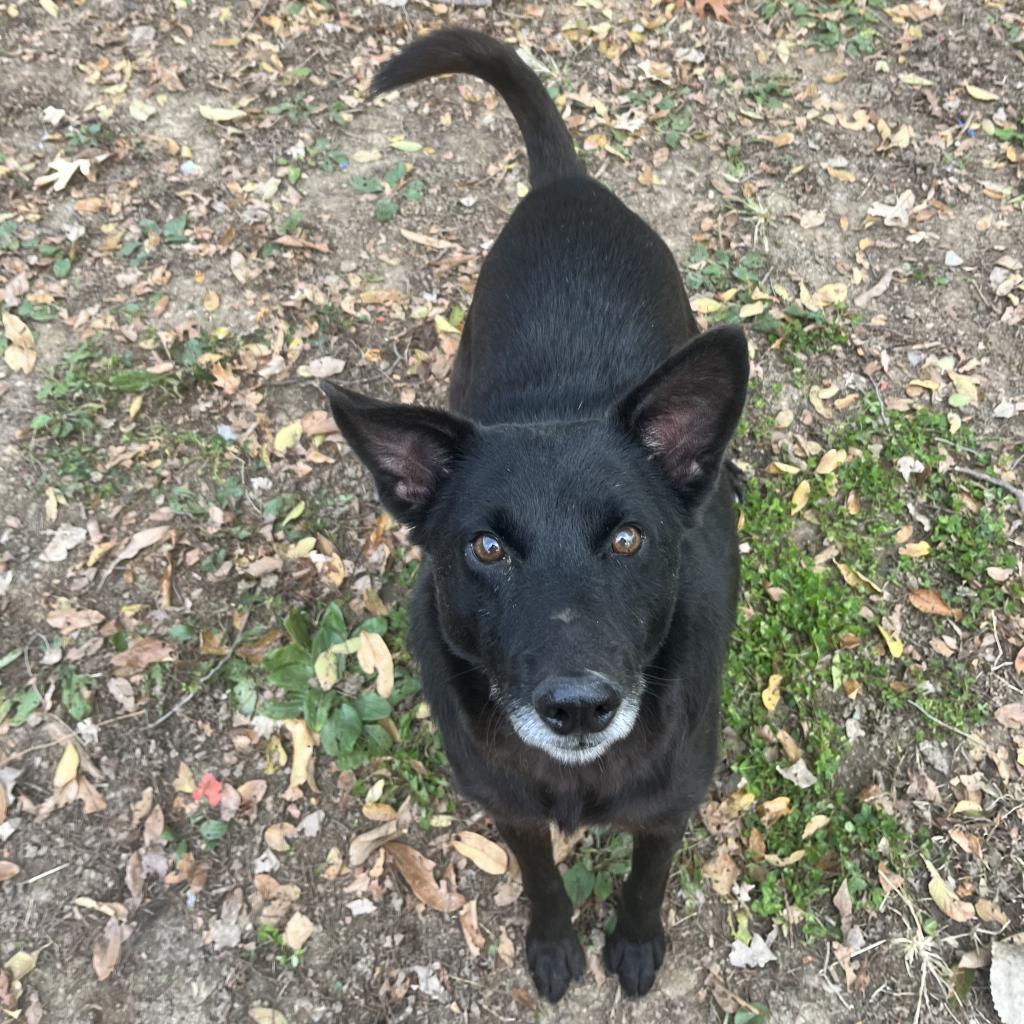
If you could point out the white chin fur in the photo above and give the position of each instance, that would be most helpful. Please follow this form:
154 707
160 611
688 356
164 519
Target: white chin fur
574 750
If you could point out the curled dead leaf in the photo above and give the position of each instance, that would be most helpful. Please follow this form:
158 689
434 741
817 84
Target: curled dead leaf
106 950
302 757
487 855
945 899
67 766
418 871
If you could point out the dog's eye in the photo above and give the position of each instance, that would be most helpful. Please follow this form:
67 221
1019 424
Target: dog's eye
487 548
627 540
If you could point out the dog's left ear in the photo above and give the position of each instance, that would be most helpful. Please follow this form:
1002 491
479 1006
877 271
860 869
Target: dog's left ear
685 413
409 449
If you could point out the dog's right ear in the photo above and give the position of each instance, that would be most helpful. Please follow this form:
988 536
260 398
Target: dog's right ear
409 449
685 413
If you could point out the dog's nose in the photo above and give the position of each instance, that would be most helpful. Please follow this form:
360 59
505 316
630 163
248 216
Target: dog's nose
576 704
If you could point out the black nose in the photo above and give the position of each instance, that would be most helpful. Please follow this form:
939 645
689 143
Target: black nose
576 704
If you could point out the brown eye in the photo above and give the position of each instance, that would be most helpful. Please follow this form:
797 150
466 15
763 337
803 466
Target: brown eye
627 540
487 548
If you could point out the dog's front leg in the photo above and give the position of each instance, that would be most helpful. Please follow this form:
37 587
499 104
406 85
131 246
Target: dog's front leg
635 950
553 952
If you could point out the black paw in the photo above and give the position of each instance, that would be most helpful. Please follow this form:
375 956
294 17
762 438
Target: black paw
554 961
636 962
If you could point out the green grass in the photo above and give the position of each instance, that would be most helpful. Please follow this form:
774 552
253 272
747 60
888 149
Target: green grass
852 26
803 622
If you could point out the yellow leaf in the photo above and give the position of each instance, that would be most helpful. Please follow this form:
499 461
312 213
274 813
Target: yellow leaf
21 963
287 436
784 862
830 461
220 114
771 695
774 809
894 643
830 294
486 855
818 822
276 836
211 301
67 766
302 757
326 668
704 305
915 549
800 497
751 309
184 781
294 514
136 405
982 94
50 7
916 80
383 663
945 899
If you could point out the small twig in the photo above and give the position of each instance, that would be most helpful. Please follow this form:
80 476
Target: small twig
206 678
46 874
995 481
881 402
66 739
946 725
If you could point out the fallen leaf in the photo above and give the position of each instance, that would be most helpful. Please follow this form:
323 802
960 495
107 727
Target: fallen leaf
799 774
915 549
302 757
265 1015
298 930
488 856
70 620
8 869
64 539
418 871
830 461
106 950
287 436
718 8
471 928
276 836
20 354
67 766
221 114
771 694
721 871
184 781
21 963
382 662
930 602
1011 716
983 95
998 573
945 899
893 643
210 787
815 824
800 497
141 653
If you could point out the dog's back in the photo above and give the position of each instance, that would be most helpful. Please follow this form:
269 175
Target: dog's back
579 299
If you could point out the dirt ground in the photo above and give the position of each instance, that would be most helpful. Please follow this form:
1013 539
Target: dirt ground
232 218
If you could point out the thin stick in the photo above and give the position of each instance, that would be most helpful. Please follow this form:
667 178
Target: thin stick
46 874
945 725
995 481
209 675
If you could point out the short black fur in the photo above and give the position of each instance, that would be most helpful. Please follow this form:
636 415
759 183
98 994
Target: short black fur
583 403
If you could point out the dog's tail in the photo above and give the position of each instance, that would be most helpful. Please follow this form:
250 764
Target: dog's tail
548 145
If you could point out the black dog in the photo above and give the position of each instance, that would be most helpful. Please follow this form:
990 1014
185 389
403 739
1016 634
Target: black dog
579 585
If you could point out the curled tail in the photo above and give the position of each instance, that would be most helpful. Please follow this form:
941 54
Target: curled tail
548 145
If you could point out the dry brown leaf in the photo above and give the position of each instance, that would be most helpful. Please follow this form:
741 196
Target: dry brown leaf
471 928
140 541
418 871
945 899
142 652
930 602
20 354
298 930
8 869
276 836
1011 716
888 879
718 8
154 827
721 871
302 757
382 663
484 853
106 950
184 781
69 620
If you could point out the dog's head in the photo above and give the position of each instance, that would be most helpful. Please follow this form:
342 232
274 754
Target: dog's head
556 547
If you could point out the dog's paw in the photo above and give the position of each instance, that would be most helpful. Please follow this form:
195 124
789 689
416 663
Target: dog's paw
555 960
636 962
737 480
